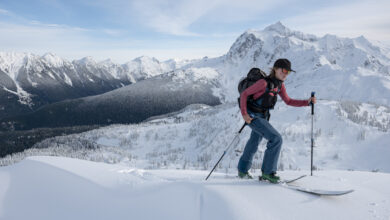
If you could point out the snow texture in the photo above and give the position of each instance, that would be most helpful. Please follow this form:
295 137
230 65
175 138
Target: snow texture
65 188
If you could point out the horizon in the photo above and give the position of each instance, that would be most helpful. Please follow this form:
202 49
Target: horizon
122 31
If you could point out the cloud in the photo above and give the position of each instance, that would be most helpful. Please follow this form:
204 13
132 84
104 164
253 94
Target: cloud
176 17
75 42
19 34
348 20
233 11
40 38
172 17
112 32
3 11
191 29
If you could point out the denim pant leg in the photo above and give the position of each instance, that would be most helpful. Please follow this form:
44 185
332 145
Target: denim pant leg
250 149
271 155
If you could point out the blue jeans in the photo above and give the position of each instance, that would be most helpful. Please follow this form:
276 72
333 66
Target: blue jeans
261 128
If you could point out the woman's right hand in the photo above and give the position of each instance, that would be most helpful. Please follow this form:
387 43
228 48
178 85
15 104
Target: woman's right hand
247 118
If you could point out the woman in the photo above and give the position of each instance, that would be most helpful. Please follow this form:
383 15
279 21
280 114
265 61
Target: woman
255 112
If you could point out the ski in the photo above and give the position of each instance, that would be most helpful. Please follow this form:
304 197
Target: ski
318 192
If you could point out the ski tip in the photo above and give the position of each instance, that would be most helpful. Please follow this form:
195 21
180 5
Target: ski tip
323 192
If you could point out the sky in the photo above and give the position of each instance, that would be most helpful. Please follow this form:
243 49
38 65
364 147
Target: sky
122 30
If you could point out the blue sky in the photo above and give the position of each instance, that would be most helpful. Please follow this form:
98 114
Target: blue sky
122 30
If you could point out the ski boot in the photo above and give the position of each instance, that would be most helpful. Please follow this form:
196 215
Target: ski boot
246 175
270 177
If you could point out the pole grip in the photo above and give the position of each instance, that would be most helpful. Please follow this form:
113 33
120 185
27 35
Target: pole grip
312 104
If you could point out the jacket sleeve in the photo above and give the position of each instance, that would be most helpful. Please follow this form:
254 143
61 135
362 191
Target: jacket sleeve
290 101
258 87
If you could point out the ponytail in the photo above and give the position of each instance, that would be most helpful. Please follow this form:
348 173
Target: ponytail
272 73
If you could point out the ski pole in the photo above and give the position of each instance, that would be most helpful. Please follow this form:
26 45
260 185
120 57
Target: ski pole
312 135
227 149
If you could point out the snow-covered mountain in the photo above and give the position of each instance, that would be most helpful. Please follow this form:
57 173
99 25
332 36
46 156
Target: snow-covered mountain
351 69
133 103
29 81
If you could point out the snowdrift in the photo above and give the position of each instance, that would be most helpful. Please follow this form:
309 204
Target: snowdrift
65 188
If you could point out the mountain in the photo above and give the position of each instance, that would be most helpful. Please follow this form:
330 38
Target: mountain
28 81
350 69
134 103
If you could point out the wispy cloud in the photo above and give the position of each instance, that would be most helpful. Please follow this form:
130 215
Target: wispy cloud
177 16
371 19
3 11
22 35
45 36
75 42
122 29
172 17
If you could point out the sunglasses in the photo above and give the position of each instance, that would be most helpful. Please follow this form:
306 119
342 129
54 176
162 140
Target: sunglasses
286 71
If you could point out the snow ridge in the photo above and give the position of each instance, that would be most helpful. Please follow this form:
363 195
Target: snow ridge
106 191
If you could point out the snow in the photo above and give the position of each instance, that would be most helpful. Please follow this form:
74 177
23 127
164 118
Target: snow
195 75
321 63
11 63
146 67
65 188
53 60
87 61
67 80
24 97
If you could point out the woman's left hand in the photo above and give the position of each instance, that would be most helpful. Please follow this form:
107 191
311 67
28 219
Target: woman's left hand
312 99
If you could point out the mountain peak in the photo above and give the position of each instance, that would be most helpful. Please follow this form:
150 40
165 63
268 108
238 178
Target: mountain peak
279 28
146 59
53 59
9 58
107 61
87 60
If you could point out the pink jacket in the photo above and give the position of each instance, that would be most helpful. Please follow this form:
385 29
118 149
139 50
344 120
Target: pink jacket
258 90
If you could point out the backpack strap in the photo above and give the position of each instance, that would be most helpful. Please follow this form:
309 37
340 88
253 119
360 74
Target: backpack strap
271 86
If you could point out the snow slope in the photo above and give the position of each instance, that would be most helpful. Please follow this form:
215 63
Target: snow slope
64 188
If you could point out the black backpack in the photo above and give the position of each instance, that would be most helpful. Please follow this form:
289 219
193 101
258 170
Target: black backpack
254 75
268 99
